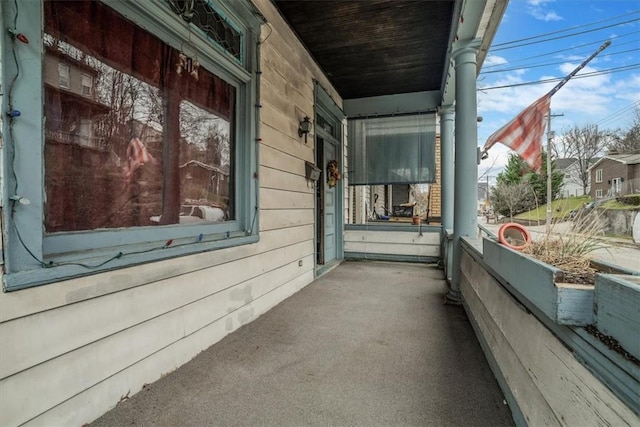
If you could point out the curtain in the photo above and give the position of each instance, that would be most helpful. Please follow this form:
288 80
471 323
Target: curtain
392 150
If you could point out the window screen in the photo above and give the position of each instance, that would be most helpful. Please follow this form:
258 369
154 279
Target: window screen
392 150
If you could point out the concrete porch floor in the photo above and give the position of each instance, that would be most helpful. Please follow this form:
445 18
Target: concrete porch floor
369 343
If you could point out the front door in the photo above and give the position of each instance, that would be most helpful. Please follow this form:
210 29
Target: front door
326 202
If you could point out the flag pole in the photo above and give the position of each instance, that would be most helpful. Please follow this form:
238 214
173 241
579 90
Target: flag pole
485 151
578 68
550 94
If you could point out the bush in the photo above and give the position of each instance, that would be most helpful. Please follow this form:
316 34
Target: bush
629 199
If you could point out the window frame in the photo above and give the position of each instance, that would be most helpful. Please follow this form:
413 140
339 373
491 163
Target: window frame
67 73
599 193
84 76
598 176
616 185
25 242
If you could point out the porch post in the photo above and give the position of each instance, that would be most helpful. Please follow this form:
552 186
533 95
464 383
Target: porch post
465 216
446 165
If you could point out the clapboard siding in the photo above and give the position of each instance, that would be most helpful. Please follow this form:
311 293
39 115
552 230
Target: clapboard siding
279 199
71 350
75 409
392 243
275 159
72 372
46 298
272 220
391 249
280 180
277 139
277 120
550 386
42 336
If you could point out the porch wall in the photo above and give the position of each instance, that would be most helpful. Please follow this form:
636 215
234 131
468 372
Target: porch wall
542 379
392 242
71 350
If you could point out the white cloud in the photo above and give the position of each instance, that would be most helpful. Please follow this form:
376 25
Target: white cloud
544 15
492 60
539 2
538 10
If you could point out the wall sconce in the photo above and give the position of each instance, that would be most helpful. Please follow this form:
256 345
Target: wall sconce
304 128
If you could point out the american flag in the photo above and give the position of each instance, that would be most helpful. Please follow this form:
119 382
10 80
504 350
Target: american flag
524 133
138 156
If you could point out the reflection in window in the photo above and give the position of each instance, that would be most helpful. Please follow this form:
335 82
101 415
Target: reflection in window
87 85
134 141
63 75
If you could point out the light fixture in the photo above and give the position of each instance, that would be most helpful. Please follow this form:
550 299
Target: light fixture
20 199
304 128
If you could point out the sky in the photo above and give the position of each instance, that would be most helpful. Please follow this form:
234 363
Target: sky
545 39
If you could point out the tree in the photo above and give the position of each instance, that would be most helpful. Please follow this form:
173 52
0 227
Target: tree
509 199
517 171
585 144
627 142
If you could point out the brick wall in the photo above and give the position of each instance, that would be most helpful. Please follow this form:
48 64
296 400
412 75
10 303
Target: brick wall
435 210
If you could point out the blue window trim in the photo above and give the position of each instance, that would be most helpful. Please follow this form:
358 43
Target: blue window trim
326 107
233 25
220 10
85 253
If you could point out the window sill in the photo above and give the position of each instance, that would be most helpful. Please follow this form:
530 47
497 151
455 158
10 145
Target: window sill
41 276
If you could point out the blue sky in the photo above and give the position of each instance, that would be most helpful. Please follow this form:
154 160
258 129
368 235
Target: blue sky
608 99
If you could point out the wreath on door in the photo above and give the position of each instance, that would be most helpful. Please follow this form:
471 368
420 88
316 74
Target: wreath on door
333 175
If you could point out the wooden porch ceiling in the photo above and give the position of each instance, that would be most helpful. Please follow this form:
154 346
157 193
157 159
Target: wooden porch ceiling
375 47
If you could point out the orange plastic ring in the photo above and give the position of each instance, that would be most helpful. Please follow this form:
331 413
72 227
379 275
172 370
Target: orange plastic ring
514 236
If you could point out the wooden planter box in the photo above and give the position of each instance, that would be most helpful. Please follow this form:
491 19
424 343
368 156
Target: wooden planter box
617 302
564 303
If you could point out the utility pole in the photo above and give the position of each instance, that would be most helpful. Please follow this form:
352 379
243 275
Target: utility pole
549 186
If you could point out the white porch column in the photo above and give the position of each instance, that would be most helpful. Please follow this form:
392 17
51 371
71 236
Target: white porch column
465 216
446 165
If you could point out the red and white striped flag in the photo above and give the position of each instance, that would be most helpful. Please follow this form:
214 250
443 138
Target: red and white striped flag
524 133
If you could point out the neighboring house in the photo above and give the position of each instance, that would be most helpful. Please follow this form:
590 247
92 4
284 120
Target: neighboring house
140 113
615 174
571 183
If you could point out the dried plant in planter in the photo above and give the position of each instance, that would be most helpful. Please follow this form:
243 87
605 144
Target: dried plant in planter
570 250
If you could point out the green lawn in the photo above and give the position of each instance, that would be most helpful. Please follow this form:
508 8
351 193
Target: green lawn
614 204
559 208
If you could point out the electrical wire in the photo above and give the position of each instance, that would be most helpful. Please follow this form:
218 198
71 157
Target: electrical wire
546 64
565 50
624 110
565 36
566 29
557 79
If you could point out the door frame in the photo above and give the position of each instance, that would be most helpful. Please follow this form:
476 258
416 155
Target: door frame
325 106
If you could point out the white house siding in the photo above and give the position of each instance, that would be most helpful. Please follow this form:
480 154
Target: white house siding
405 243
71 350
572 186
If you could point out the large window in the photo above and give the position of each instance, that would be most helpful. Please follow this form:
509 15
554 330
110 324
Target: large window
148 141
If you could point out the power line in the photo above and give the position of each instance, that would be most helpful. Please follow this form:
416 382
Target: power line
565 36
566 29
557 79
623 110
615 38
546 64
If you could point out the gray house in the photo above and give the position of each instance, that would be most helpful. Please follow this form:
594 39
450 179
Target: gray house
615 174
